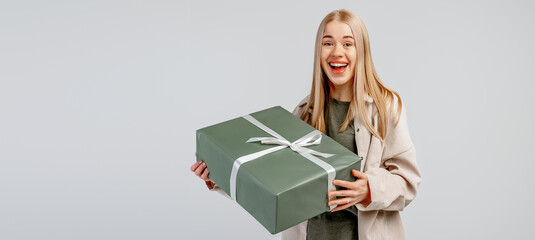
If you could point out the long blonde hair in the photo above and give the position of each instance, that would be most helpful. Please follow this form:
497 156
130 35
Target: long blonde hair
366 79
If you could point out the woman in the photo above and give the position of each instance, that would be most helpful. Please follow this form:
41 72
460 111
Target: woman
349 103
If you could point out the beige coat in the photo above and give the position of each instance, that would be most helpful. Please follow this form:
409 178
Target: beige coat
393 177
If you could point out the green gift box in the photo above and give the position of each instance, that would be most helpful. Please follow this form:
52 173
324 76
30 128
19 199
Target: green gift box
276 166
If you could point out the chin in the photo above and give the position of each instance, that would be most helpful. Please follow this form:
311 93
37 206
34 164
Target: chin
339 81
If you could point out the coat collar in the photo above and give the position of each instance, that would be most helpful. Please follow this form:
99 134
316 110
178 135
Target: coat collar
303 102
367 98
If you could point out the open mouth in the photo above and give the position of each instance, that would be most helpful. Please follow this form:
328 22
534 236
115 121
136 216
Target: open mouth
338 68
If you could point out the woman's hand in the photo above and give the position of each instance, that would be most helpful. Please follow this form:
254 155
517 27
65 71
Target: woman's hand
355 192
200 169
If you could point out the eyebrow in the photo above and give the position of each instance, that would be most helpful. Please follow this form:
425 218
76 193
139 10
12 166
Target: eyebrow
329 36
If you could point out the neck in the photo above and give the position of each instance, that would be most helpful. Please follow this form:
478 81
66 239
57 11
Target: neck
343 92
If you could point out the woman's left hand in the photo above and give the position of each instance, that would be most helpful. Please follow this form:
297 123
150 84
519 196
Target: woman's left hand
355 192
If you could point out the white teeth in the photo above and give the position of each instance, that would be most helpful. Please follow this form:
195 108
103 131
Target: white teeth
338 64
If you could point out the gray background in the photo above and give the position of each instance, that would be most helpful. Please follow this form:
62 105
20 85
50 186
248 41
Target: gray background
100 100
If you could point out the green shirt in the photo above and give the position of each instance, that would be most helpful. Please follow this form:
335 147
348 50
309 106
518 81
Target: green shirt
334 118
339 224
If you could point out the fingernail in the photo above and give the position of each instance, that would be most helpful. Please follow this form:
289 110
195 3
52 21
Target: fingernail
203 163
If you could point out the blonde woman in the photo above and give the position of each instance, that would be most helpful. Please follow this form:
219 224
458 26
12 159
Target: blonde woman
350 103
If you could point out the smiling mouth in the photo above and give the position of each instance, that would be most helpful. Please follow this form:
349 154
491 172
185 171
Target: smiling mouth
338 68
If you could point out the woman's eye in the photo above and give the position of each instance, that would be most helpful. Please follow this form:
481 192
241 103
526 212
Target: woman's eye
327 44
349 44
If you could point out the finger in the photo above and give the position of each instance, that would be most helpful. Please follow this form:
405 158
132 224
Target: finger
342 193
342 183
210 184
341 201
359 174
204 175
195 165
341 207
199 169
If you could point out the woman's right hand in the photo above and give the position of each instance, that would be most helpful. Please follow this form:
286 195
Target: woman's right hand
200 169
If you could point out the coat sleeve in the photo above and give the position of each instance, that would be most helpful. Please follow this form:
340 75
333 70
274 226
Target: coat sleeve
394 184
220 191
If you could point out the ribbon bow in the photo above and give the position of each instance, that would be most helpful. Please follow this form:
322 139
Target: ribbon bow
313 138
299 146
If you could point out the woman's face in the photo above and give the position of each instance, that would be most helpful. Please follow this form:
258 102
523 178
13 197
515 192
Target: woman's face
338 53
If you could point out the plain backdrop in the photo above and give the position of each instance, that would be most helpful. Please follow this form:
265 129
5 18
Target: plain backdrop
100 100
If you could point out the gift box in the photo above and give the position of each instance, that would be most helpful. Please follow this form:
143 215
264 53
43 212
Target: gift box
276 166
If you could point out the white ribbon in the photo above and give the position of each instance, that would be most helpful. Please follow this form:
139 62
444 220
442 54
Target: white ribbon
313 138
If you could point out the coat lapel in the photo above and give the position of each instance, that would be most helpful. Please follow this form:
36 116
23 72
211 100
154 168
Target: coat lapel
362 135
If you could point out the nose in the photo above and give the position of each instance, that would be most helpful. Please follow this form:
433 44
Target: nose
337 51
